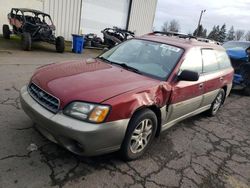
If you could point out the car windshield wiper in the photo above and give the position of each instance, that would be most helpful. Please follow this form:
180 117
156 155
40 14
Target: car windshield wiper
123 65
127 67
104 59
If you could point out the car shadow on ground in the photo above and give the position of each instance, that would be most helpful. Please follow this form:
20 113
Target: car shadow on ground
239 92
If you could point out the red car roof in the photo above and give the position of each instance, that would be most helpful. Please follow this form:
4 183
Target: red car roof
184 43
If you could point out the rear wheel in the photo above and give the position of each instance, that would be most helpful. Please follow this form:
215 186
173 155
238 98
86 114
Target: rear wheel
140 133
245 73
6 31
60 46
26 41
218 101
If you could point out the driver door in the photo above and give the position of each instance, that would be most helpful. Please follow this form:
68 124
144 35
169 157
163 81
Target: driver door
187 96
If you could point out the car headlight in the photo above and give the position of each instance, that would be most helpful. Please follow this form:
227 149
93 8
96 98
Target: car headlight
86 111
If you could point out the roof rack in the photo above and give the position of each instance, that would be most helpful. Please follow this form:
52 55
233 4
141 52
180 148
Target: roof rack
208 40
170 33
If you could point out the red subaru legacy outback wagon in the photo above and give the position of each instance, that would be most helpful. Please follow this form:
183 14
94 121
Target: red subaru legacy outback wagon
128 95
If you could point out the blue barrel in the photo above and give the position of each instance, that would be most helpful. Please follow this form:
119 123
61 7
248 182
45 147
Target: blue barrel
78 42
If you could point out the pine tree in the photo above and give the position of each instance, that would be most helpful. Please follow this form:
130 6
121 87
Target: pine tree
231 34
204 33
212 33
201 32
217 33
222 33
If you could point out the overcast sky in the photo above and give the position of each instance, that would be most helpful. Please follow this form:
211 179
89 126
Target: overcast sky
218 12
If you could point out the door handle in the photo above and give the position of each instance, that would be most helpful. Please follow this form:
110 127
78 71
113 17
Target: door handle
221 78
201 85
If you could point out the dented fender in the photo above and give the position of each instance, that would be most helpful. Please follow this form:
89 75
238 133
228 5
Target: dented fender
125 105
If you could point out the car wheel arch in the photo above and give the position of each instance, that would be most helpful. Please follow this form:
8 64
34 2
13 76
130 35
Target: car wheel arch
225 89
154 109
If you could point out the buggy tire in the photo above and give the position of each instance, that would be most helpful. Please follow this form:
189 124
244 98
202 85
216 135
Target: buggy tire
245 73
139 135
6 31
26 41
217 103
60 46
96 42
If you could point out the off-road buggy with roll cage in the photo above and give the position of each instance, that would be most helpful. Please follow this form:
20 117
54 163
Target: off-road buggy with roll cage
116 35
32 25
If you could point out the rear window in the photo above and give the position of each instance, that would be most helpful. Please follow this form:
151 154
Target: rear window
223 59
210 63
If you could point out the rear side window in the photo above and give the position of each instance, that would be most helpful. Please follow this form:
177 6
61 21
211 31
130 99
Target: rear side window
223 59
192 61
210 62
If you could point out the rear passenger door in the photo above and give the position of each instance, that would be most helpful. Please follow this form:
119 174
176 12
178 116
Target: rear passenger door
187 95
213 76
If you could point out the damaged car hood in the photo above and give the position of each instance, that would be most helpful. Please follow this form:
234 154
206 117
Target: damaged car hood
88 80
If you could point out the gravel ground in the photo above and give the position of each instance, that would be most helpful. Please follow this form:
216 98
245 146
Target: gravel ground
198 152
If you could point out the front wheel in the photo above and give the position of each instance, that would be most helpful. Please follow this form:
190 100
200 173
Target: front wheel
60 46
140 133
218 101
26 41
6 31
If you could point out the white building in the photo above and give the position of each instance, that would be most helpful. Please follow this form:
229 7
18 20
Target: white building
90 16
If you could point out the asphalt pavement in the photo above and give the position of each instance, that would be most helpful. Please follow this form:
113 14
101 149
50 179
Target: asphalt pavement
208 152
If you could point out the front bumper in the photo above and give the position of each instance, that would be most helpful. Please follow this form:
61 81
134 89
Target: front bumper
77 136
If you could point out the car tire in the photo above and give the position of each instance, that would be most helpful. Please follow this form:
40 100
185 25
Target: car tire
26 41
60 46
217 103
245 73
6 31
140 134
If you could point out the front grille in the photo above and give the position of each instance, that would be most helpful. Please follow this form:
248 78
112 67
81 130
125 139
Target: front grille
43 98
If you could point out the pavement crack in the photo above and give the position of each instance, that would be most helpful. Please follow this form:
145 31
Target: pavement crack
16 156
15 102
15 89
25 128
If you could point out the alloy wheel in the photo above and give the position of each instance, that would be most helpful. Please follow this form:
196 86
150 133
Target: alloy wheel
218 102
141 136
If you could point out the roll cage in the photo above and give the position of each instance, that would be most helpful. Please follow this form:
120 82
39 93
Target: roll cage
20 14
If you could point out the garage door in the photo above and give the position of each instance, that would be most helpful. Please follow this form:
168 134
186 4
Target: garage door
99 14
66 16
142 16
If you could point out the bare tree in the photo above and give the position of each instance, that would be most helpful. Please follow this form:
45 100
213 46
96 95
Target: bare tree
239 34
165 27
247 36
174 26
